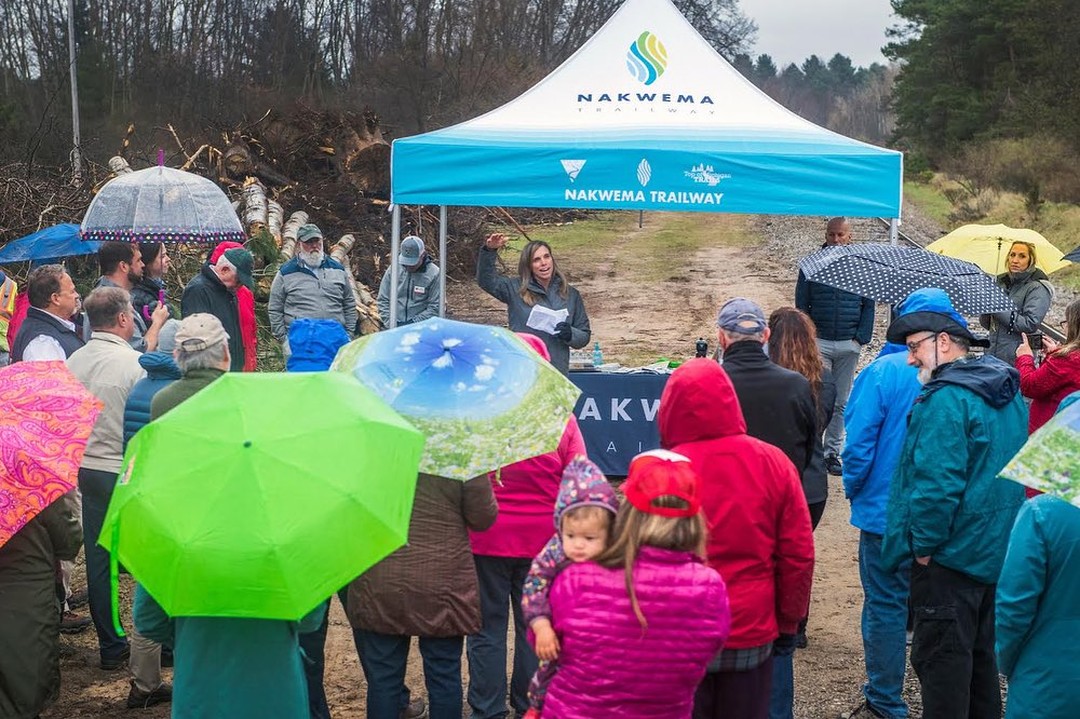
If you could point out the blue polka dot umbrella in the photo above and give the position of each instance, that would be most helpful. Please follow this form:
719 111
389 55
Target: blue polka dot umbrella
160 204
886 273
481 396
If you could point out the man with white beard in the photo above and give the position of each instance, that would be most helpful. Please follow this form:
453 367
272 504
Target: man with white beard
948 512
312 286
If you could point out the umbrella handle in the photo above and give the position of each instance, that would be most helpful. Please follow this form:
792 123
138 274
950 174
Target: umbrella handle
114 578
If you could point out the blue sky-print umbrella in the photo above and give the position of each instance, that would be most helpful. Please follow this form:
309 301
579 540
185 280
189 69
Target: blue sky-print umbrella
481 396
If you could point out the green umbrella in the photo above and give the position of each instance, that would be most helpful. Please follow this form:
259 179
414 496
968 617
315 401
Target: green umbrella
263 494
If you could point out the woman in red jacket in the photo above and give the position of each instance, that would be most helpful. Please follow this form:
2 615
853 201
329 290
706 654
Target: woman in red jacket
1057 376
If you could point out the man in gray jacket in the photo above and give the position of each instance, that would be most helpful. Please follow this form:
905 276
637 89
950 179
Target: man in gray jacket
310 285
418 285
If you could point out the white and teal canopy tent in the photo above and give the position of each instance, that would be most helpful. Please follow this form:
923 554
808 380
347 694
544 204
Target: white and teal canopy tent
645 116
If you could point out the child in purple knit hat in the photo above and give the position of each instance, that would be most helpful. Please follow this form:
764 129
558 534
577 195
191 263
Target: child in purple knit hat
584 514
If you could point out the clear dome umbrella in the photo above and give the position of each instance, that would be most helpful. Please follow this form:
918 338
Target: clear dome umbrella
160 204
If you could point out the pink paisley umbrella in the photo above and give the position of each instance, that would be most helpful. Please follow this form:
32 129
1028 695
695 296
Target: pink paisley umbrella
46 416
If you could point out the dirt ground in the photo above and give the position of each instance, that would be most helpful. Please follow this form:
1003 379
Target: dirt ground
625 316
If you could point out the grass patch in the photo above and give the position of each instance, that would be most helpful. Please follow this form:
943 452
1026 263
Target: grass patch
663 242
930 200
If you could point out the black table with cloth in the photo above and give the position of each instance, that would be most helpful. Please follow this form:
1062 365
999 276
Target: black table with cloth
617 413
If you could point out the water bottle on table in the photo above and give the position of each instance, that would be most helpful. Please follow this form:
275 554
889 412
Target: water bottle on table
597 355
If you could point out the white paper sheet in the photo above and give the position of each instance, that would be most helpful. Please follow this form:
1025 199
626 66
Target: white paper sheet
543 319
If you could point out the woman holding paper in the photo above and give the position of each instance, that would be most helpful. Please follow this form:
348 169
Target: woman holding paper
540 301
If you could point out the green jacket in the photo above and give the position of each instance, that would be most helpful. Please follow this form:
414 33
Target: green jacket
227 667
182 389
30 611
946 500
1037 613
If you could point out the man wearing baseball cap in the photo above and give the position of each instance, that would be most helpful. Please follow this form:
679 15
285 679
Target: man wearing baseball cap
201 351
310 286
948 511
418 285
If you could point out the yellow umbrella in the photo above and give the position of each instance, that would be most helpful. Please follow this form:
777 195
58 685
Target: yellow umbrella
988 247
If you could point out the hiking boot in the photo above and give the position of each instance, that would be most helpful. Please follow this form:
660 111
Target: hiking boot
417 709
138 699
862 711
120 660
73 623
166 658
78 599
800 640
833 465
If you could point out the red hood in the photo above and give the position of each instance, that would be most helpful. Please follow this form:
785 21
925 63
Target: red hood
536 343
699 403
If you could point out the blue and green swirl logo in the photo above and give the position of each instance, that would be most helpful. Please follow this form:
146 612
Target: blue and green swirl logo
647 58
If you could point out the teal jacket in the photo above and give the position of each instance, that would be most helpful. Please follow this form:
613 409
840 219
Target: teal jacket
1038 612
227 667
945 500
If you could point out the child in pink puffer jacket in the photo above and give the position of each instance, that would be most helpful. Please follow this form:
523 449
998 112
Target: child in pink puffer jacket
637 627
584 514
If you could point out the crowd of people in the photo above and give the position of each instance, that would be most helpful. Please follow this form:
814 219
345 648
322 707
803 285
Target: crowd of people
683 592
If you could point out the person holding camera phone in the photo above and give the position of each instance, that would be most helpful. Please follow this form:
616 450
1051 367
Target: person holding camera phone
1059 373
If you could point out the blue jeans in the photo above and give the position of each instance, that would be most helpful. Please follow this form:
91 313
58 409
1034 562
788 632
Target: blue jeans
782 694
500 580
384 657
97 488
884 625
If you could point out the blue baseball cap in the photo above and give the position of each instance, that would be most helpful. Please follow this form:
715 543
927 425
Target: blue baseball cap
741 315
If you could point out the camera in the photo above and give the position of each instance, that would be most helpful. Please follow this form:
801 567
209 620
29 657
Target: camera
1035 339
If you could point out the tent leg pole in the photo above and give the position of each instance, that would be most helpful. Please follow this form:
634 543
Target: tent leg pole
640 218
395 244
894 231
442 259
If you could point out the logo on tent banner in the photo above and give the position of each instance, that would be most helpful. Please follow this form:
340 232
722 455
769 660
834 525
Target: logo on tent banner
644 174
647 58
572 168
705 175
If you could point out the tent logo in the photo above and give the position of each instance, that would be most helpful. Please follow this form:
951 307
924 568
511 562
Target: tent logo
572 167
644 172
647 58
706 175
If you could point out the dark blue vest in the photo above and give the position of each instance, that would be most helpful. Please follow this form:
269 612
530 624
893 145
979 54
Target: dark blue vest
37 323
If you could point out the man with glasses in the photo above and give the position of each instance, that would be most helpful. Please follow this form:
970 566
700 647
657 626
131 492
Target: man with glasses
948 512
311 286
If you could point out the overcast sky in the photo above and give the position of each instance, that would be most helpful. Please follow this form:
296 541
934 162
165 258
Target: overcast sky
792 30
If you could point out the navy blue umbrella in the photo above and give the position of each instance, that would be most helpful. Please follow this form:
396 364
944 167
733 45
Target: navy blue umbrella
889 274
51 243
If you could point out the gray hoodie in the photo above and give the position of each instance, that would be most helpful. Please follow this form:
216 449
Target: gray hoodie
417 295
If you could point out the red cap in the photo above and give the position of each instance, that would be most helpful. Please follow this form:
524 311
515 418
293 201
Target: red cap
659 473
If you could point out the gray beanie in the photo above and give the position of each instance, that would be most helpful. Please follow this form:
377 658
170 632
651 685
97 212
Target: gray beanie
166 341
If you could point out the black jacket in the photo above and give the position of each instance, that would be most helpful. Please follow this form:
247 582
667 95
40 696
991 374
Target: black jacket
206 293
776 402
815 478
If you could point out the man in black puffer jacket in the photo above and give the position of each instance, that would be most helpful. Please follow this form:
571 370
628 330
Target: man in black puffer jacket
844 324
